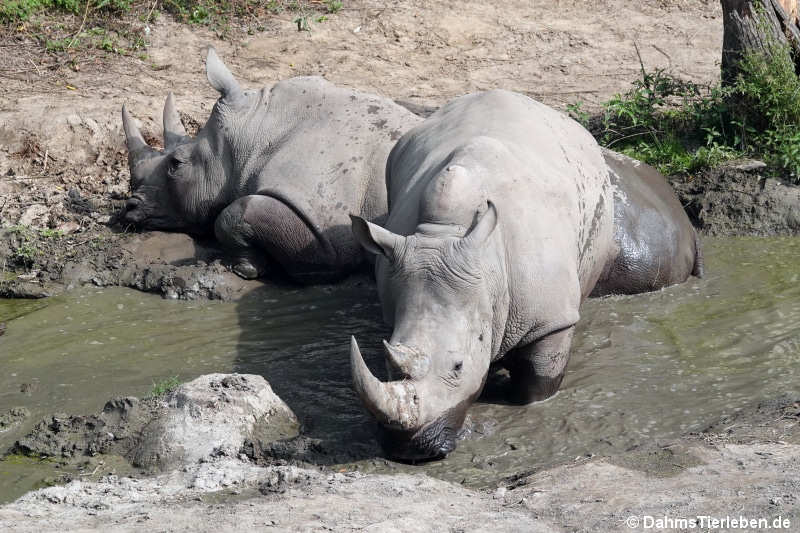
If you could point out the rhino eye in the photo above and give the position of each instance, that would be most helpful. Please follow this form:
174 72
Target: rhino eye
174 165
457 367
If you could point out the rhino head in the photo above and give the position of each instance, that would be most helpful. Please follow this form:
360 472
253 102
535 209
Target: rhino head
182 186
436 291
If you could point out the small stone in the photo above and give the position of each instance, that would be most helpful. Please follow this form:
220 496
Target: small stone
32 214
68 227
748 165
74 121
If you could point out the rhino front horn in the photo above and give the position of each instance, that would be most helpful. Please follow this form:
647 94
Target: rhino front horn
133 136
393 403
174 132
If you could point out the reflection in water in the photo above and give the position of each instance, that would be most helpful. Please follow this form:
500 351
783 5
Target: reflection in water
643 368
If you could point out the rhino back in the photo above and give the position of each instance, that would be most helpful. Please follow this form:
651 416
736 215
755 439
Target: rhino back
327 149
544 172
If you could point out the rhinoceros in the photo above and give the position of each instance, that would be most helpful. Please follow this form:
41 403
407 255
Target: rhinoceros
274 172
502 220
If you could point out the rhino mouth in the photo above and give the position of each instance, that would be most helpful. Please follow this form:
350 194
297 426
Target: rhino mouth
133 211
432 443
144 214
141 216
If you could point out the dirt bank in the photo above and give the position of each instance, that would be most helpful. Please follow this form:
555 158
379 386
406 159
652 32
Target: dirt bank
63 169
740 199
743 466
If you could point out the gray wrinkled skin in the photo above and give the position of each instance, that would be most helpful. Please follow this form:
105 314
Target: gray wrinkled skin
273 173
655 244
501 222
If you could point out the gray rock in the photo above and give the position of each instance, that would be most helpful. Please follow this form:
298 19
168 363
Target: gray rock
14 416
33 216
210 417
748 164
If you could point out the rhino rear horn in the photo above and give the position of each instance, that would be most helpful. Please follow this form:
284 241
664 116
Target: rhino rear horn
221 78
174 132
410 362
133 137
484 227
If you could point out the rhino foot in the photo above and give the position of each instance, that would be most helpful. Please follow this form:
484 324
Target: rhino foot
246 270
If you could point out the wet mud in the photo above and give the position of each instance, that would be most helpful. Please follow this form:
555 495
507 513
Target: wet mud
645 370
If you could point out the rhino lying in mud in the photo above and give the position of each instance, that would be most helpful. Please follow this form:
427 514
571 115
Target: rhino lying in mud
274 172
502 220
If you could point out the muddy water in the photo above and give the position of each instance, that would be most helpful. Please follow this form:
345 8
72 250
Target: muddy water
643 368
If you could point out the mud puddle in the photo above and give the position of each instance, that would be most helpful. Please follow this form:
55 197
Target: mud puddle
644 368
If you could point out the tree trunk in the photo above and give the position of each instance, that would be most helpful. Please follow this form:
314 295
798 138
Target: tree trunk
751 28
790 7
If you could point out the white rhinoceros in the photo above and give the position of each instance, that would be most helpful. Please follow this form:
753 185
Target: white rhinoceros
273 174
504 215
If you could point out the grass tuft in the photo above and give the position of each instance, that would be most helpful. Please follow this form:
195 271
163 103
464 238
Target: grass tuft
164 386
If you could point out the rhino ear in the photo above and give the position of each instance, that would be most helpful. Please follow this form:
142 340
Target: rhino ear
483 228
374 238
174 132
221 78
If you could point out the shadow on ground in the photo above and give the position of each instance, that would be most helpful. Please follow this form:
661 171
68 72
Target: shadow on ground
298 339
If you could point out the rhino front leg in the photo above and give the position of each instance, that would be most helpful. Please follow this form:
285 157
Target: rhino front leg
538 368
256 228
237 228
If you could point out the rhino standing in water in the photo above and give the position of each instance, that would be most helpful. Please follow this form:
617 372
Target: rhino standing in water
503 217
273 173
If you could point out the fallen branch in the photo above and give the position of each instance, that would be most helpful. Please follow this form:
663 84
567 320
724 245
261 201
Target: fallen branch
39 72
93 472
80 29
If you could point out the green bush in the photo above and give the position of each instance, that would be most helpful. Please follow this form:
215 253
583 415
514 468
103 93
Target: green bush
333 6
20 10
210 11
681 127
767 111
13 10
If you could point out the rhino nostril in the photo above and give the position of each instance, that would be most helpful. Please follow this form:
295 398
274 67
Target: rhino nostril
447 447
